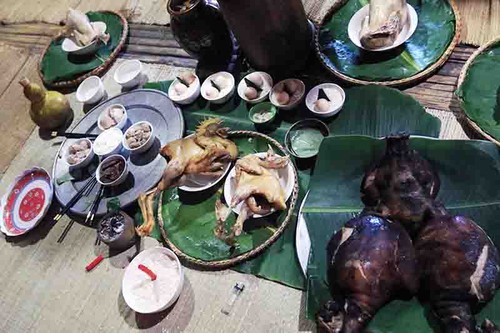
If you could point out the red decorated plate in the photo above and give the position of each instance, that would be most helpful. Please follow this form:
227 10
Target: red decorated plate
26 202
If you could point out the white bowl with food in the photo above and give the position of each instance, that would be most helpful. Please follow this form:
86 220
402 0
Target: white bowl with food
108 142
286 177
153 281
91 90
287 94
255 87
129 73
356 24
325 100
185 89
139 137
79 154
112 171
70 45
114 115
218 88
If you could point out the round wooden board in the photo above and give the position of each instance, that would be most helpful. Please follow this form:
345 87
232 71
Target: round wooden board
96 71
461 79
220 264
145 169
390 82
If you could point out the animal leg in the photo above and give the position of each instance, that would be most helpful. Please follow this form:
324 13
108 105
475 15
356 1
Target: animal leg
242 217
146 206
171 175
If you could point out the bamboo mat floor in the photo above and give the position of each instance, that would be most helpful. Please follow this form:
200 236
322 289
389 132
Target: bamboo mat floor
44 279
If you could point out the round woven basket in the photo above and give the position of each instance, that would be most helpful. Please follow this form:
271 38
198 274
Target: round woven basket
409 80
461 79
219 264
96 71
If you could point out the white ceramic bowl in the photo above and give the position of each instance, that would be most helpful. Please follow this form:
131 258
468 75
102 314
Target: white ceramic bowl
191 94
69 45
225 93
106 161
108 148
266 88
90 91
121 123
145 146
128 283
291 105
334 92
354 28
286 178
86 161
129 73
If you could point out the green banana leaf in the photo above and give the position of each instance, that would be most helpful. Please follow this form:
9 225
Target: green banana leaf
469 173
189 219
371 110
435 31
58 65
480 91
368 110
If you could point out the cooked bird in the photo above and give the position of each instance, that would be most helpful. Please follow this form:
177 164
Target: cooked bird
257 186
402 185
460 270
384 23
78 26
206 152
371 261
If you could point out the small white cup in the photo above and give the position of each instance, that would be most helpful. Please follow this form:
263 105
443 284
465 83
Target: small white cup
129 73
91 90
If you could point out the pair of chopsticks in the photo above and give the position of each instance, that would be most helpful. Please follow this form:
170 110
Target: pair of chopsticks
69 135
95 206
84 191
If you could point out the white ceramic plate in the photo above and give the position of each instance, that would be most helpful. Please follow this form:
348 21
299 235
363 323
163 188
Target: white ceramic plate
286 177
198 183
356 21
302 240
70 46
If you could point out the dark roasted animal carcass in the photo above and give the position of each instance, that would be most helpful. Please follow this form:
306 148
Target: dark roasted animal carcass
402 185
371 261
460 270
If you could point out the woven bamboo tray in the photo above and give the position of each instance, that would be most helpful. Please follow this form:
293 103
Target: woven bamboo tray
96 71
461 79
220 264
406 81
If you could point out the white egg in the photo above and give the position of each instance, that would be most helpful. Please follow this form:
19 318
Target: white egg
251 93
291 86
180 88
221 81
322 105
211 92
282 97
257 79
188 77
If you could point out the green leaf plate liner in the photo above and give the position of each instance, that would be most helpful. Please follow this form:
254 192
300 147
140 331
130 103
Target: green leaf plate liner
188 219
59 68
479 90
427 49
469 189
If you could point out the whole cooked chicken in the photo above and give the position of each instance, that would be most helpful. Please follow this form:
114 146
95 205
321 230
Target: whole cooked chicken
256 185
384 23
206 153
402 185
78 26
371 261
460 271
